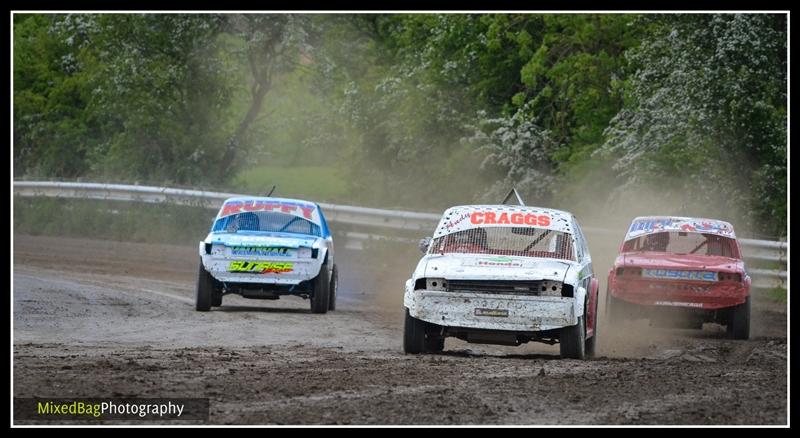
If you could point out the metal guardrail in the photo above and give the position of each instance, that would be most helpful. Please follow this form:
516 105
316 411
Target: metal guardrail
756 250
767 278
397 219
766 250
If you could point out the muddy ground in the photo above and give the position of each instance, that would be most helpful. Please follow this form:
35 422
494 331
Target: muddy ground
108 319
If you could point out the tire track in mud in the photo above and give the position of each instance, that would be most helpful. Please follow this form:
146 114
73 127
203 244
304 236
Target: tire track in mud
303 385
89 329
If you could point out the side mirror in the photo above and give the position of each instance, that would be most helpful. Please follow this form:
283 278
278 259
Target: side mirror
424 243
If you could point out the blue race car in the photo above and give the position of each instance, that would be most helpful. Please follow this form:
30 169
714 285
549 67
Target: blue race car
264 248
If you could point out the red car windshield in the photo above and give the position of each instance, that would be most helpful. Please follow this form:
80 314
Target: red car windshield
508 241
679 242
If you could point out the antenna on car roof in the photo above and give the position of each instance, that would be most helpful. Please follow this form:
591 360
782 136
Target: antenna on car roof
271 190
515 193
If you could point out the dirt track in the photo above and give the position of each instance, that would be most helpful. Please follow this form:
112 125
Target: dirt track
101 319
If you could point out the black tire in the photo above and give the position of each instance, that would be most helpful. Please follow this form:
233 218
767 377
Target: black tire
434 344
333 288
573 340
591 343
216 298
205 287
414 335
319 297
739 324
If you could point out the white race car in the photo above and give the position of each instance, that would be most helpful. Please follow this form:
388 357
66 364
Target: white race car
264 248
503 274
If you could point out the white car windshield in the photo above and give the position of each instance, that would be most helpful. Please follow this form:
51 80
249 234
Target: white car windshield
265 222
509 241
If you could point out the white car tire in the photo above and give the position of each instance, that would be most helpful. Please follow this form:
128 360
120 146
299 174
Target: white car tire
591 343
334 288
205 288
573 340
413 335
320 296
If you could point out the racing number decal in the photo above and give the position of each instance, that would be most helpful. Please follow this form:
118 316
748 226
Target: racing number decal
261 267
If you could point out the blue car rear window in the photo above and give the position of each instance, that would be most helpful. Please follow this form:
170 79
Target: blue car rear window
265 221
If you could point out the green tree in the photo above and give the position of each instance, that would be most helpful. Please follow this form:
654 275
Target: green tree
52 128
567 67
273 44
163 93
706 114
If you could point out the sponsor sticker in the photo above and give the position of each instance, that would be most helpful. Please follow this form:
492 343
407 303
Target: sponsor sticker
261 267
650 225
707 226
654 225
492 218
491 312
267 251
678 304
673 286
456 221
494 262
240 206
676 274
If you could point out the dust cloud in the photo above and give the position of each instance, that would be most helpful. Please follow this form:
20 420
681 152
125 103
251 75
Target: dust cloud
605 214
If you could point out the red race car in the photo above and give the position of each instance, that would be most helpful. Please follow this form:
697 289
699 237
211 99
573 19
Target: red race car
680 272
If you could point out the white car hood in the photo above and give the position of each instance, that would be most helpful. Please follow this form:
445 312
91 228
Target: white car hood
231 239
489 267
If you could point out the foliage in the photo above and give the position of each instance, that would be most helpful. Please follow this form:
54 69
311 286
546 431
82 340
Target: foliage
707 114
523 150
417 110
779 295
141 96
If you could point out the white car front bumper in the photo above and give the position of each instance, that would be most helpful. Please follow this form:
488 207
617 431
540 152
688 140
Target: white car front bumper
491 311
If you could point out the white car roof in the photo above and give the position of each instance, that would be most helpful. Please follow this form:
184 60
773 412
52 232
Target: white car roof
463 217
655 224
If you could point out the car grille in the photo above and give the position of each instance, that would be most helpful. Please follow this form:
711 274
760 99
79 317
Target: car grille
532 288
